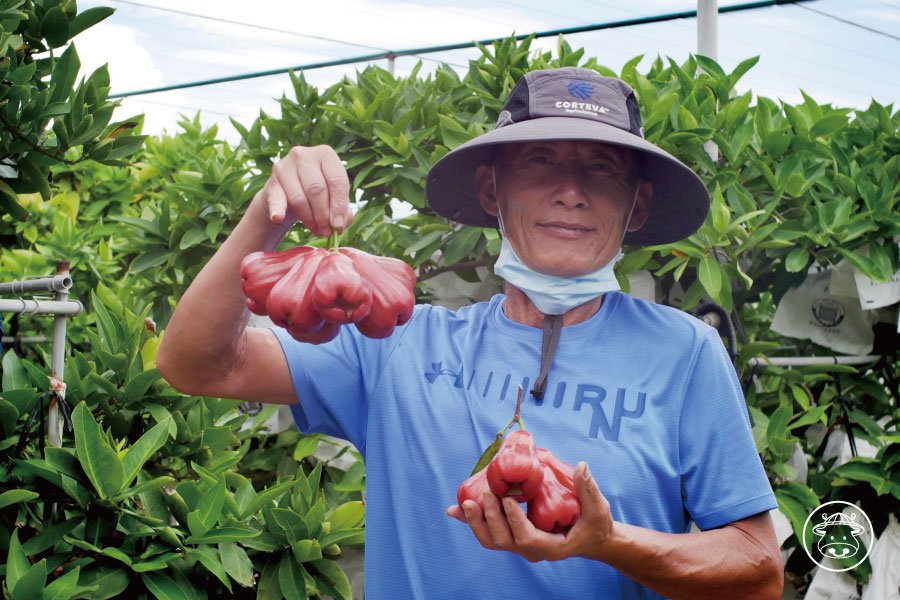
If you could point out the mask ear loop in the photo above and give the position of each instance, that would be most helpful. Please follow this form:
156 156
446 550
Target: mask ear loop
499 213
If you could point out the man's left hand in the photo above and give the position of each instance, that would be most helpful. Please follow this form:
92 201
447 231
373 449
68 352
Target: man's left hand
506 526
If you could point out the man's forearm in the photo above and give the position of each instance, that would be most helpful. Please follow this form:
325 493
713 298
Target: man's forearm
719 563
202 338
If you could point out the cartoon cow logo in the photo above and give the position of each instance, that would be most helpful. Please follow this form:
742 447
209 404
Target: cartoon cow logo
838 533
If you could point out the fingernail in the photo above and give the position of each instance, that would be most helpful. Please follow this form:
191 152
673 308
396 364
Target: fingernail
586 473
338 221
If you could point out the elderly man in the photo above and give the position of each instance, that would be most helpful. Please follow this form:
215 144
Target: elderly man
642 397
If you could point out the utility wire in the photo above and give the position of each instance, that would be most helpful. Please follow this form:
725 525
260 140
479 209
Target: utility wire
688 14
855 24
251 25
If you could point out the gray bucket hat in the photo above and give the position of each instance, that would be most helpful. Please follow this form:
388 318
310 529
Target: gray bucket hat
573 104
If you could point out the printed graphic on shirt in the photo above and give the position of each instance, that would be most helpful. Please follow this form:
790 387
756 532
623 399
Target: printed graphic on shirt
608 406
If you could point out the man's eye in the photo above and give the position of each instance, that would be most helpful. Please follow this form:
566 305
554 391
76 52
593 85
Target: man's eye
540 159
604 167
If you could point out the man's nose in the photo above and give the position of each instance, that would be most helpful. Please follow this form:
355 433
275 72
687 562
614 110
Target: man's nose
569 186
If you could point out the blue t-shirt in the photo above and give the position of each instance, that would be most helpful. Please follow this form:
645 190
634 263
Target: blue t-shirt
644 393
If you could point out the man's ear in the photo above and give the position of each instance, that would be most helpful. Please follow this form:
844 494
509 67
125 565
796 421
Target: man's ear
642 205
484 188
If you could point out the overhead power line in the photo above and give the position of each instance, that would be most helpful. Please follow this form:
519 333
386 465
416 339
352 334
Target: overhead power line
391 54
250 25
854 23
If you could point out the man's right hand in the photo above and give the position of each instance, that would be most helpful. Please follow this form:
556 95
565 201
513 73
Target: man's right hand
309 185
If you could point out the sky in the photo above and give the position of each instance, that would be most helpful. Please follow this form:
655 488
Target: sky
843 52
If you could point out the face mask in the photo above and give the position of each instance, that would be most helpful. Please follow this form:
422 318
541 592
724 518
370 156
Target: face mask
553 295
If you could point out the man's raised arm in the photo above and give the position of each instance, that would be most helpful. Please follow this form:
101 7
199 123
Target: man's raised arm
207 348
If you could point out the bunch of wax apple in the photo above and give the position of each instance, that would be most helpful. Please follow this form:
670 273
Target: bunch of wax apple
311 292
513 466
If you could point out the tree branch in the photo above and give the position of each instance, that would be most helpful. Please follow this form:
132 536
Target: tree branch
466 264
39 149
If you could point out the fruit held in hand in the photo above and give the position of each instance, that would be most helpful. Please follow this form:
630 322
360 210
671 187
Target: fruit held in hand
516 470
555 507
311 292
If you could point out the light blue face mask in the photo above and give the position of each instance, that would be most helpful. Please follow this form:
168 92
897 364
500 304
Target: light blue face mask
553 295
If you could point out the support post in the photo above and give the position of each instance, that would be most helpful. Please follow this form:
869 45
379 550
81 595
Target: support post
708 45
58 364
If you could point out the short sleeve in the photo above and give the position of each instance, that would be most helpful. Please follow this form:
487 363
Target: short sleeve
333 382
722 476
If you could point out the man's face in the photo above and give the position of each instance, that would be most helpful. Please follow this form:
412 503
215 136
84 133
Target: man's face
564 203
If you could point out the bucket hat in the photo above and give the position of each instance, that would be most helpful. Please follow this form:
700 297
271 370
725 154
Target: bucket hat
573 103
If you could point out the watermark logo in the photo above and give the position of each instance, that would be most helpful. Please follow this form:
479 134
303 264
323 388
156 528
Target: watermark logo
839 531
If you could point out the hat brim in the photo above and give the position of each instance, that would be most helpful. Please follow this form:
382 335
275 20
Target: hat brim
680 199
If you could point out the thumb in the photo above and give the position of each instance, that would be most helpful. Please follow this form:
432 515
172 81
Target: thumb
592 500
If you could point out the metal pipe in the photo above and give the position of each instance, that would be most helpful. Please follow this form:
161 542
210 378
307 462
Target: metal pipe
708 28
40 284
58 363
810 361
708 45
41 307
25 339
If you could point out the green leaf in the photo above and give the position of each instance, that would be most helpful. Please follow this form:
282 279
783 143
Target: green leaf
266 496
16 496
143 449
145 486
345 536
337 579
489 453
139 384
228 533
16 562
165 588
49 536
32 582
89 18
63 587
797 260
461 244
55 27
794 510
291 523
100 462
710 273
209 559
65 72
9 202
149 259
306 550
347 515
14 374
816 413
192 238
828 125
237 563
293 580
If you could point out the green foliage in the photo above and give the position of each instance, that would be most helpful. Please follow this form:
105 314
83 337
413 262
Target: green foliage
163 494
47 117
152 492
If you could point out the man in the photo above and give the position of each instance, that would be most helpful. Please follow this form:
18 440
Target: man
642 397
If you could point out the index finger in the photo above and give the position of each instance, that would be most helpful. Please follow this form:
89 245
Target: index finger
338 183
